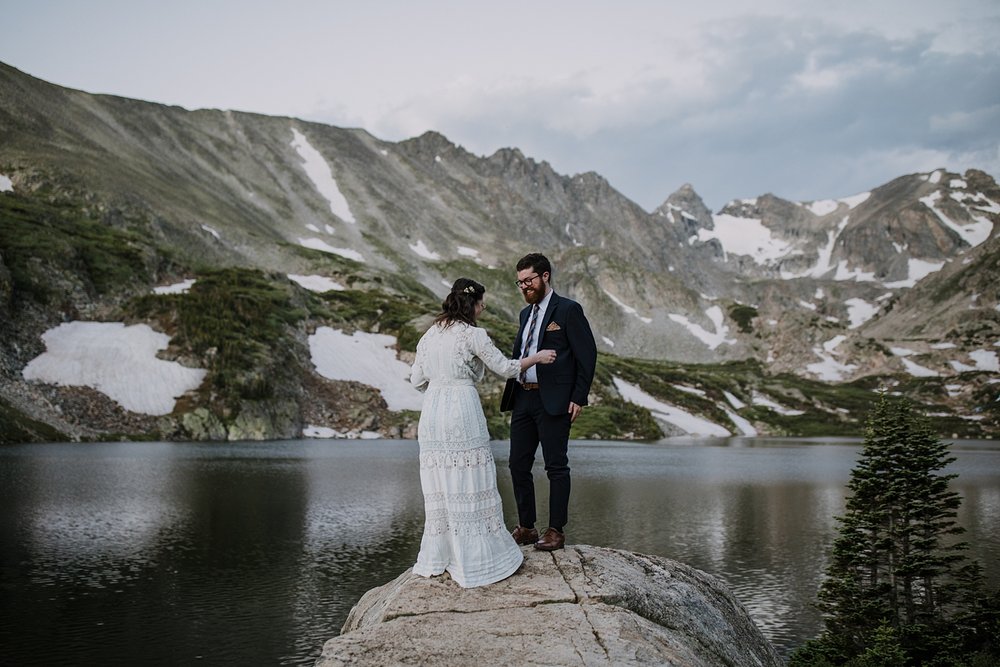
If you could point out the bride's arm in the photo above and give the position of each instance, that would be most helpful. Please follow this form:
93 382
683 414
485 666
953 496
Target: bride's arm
499 363
417 377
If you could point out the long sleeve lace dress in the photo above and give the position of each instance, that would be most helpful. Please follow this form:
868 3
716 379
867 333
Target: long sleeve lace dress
464 530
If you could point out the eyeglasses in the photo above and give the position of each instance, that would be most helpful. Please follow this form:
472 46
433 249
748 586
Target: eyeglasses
526 281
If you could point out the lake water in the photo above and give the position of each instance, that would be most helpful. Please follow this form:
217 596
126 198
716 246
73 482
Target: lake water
253 553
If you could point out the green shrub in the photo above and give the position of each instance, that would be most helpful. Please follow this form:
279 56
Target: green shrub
743 316
41 241
236 321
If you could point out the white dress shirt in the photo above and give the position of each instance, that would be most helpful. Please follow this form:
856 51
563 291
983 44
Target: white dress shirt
531 374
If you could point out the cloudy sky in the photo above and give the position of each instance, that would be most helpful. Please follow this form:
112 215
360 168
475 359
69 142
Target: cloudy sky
808 100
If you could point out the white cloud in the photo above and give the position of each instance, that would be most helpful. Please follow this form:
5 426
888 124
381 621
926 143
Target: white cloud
874 90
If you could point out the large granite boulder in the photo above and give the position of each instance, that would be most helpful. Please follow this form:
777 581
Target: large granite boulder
581 606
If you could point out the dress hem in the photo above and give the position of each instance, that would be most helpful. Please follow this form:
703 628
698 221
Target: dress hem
492 579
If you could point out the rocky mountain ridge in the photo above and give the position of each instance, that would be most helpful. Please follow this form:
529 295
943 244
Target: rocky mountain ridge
834 291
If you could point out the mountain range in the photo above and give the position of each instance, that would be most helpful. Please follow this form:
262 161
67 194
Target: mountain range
244 239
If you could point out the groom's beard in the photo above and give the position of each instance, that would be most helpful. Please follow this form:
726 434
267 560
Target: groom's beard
533 295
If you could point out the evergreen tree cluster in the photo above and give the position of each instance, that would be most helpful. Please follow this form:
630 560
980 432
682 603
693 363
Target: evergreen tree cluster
899 590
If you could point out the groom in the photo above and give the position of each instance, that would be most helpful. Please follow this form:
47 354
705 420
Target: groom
547 398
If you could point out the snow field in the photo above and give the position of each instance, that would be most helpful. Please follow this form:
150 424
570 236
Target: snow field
116 360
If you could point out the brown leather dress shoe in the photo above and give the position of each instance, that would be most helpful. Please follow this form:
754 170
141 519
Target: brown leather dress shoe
524 535
551 540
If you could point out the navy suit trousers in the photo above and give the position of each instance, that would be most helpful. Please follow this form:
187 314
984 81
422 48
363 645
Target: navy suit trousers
530 425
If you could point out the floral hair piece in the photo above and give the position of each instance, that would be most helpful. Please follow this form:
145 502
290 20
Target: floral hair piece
469 289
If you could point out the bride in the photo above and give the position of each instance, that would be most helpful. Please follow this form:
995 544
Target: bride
464 530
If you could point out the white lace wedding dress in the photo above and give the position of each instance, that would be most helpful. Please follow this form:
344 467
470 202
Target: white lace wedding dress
464 530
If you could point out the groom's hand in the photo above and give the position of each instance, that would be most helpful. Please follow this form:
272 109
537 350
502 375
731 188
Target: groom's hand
574 411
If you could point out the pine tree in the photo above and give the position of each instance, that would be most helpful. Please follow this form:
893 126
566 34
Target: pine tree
896 563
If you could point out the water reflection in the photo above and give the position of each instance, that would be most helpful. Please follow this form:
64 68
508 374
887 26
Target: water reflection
166 553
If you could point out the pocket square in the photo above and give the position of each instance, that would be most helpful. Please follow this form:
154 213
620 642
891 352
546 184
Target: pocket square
553 327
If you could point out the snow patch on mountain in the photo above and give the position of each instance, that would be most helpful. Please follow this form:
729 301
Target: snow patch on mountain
177 288
745 427
366 358
857 275
323 246
824 255
760 399
916 370
854 200
628 309
709 338
746 236
319 172
859 311
117 360
327 433
986 360
822 207
317 283
916 270
829 369
687 422
421 249
972 233
733 401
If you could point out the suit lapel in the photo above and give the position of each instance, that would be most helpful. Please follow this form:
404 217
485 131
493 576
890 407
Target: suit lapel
549 312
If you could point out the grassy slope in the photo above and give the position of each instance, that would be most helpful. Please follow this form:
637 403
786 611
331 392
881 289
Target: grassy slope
247 328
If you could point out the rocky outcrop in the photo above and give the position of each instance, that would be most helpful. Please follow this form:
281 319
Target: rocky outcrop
581 606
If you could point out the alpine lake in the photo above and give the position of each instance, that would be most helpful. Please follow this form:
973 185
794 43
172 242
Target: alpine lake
161 553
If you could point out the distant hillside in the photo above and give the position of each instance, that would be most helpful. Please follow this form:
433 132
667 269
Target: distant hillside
275 231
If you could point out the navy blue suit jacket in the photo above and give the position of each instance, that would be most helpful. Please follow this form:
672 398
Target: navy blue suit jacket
566 330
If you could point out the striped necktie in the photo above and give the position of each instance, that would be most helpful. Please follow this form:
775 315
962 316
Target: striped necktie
530 339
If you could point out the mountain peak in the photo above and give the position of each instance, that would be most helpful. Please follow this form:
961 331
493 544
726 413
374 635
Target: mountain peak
686 206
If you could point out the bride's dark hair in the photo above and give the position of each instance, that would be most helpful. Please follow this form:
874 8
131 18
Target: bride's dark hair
460 304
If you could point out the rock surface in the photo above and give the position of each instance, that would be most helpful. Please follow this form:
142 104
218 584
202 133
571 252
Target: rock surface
584 605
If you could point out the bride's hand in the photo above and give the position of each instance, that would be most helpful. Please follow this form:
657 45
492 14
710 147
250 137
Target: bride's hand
546 356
